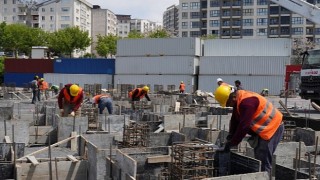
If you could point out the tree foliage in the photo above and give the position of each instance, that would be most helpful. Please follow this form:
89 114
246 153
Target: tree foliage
134 34
107 45
65 41
159 33
208 36
299 46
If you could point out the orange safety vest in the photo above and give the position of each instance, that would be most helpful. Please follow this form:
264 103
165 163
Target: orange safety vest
97 97
140 93
182 86
44 86
266 119
67 96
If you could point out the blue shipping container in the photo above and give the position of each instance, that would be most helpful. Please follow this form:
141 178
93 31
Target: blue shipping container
84 66
20 79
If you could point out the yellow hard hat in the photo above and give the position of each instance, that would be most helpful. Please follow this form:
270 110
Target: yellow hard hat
222 94
41 79
145 88
74 90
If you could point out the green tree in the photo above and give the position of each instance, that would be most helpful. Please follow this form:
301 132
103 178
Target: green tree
300 45
106 45
134 34
208 36
65 41
2 26
159 33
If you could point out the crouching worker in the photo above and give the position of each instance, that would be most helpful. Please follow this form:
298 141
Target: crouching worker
103 101
138 93
70 99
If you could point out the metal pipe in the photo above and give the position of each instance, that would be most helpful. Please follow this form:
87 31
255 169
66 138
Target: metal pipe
309 162
315 156
50 160
296 164
56 164
110 161
299 155
74 123
105 121
5 126
109 129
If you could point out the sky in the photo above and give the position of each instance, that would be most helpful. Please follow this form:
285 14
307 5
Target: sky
138 9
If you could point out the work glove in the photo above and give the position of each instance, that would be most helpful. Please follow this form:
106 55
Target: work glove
61 112
72 113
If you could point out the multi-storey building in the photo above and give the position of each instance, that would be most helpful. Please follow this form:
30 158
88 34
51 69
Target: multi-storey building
144 26
105 23
123 25
243 19
170 20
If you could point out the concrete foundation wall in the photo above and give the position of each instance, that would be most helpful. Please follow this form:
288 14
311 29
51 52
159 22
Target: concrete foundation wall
285 173
6 110
66 170
21 131
159 139
171 122
127 164
250 176
116 122
307 135
101 141
285 153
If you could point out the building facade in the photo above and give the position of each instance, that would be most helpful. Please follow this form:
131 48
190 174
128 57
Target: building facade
170 20
123 26
230 19
144 26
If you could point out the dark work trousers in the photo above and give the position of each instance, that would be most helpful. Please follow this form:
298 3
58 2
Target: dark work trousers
34 96
265 149
105 103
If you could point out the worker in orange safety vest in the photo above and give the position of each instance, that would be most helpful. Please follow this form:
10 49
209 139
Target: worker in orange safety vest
70 99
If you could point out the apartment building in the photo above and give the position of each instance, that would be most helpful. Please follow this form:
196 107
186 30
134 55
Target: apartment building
144 26
170 20
123 26
104 23
243 19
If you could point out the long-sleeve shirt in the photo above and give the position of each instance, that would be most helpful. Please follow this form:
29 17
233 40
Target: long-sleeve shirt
61 96
135 93
240 125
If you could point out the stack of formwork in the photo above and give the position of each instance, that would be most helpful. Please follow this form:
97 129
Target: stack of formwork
160 63
257 63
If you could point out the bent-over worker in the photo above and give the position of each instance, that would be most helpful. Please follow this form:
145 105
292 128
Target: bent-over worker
138 93
70 99
103 101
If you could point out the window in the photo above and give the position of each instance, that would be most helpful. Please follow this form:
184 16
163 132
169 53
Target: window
185 15
184 25
215 3
64 26
285 31
14 10
262 11
247 22
247 2
43 26
226 23
184 34
51 18
247 12
43 9
43 18
215 32
184 5
214 13
317 41
195 15
65 18
195 34
13 1
273 31
195 5
195 24
51 9
65 9
285 20
274 21
297 20
262 21
262 2
247 32
262 32
13 18
297 31
5 2
51 26
214 23
317 31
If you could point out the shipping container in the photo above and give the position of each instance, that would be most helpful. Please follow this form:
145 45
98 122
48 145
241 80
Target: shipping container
252 83
81 79
28 65
84 66
159 47
157 65
248 47
20 79
167 81
243 65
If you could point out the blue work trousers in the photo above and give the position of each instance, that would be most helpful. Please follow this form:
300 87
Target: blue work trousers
265 149
103 103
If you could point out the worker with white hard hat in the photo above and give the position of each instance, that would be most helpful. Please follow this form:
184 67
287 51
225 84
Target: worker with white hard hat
182 87
70 99
254 115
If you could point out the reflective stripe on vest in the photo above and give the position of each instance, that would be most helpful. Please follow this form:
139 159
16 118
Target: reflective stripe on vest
67 96
266 119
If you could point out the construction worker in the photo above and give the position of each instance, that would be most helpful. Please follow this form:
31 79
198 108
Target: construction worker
238 85
264 92
182 87
70 99
55 89
220 82
138 93
254 115
35 89
43 87
103 101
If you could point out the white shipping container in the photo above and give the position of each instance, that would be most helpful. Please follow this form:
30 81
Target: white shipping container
243 65
159 47
157 65
248 47
81 79
275 84
189 80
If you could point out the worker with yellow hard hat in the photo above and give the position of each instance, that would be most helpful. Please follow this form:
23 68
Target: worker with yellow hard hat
70 99
138 93
254 115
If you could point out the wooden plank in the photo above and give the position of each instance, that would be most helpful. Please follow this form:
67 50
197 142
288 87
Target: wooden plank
177 107
33 160
7 139
72 158
74 142
159 159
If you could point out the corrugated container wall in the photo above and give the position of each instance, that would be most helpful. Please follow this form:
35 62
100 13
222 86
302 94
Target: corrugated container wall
253 83
157 65
81 79
159 47
20 79
243 65
84 66
248 47
28 65
165 80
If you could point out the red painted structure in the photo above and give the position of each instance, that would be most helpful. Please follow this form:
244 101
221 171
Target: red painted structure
28 66
291 69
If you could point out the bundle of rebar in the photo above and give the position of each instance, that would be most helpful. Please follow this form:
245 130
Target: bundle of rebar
136 135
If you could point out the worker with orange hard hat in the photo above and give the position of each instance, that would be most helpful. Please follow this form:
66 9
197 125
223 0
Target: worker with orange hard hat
254 115
70 99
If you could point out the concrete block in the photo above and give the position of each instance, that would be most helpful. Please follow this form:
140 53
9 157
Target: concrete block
159 139
307 135
21 131
50 115
177 137
116 122
101 141
127 164
160 108
171 122
285 153
6 110
249 176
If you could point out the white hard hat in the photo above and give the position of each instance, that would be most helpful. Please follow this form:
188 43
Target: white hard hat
219 79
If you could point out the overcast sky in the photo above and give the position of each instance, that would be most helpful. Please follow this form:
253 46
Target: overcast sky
140 9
